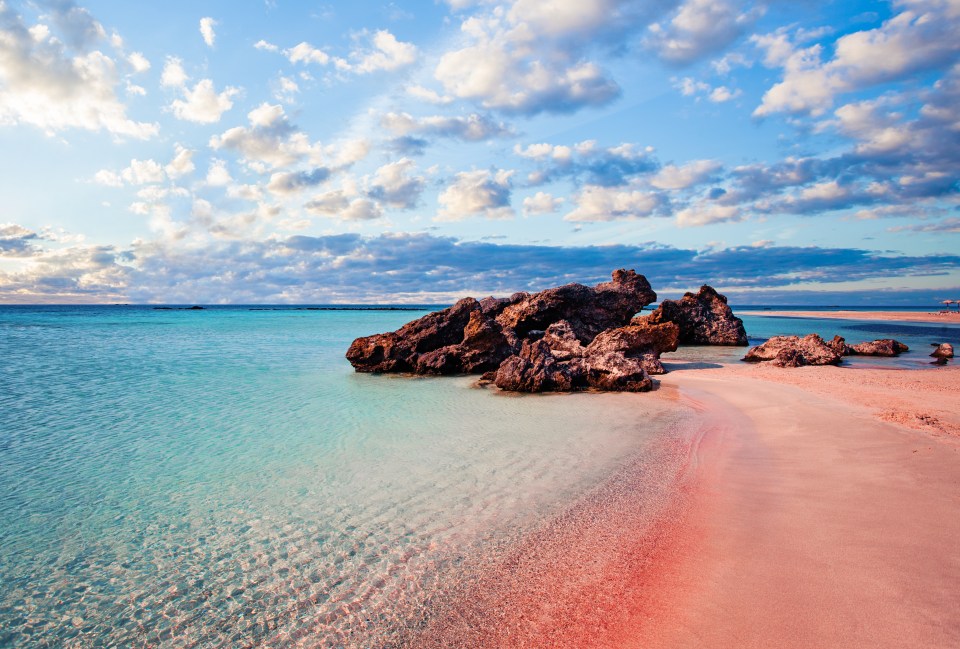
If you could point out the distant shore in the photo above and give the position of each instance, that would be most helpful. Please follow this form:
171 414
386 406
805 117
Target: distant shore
939 317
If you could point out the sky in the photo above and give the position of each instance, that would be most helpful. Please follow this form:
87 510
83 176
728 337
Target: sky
785 152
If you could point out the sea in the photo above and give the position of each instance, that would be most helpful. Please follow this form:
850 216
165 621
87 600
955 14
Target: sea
220 477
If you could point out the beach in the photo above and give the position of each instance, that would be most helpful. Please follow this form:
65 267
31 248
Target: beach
825 511
938 317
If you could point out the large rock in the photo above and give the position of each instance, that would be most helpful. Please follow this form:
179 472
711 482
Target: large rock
477 336
704 318
588 310
793 351
642 341
536 369
881 347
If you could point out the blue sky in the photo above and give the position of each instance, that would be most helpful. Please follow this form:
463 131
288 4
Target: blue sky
421 151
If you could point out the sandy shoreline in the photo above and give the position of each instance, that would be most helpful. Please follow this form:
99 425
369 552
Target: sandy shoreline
951 317
825 513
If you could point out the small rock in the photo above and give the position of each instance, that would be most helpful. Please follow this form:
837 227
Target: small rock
943 350
882 347
793 351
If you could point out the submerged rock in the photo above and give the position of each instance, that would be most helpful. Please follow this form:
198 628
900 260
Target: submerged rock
793 351
704 318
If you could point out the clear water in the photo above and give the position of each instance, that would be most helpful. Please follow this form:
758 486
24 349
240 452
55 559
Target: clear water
222 478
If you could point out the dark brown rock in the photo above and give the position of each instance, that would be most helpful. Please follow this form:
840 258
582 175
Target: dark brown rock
535 369
588 310
477 336
943 351
704 318
839 345
614 371
642 341
793 351
882 347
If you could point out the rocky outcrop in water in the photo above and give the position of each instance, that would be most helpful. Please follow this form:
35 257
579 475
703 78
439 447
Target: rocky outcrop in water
540 340
619 359
704 318
942 351
793 351
881 347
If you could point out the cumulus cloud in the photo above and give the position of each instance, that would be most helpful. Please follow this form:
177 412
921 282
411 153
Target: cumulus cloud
203 104
207 32
217 174
919 38
55 82
141 172
587 161
302 53
383 53
541 203
699 28
138 62
596 203
181 164
532 58
472 128
707 213
173 75
395 184
339 204
685 176
290 182
477 193
18 241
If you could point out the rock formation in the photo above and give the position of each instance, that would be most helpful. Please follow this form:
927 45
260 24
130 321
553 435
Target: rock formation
942 351
882 347
541 335
793 351
704 318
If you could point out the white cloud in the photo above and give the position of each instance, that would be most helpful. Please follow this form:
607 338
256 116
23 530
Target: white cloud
386 53
203 104
686 176
217 174
265 46
173 75
138 62
541 203
722 94
700 27
306 53
107 178
477 193
207 32
472 128
338 204
595 203
44 86
922 37
141 172
428 95
707 214
181 164
395 185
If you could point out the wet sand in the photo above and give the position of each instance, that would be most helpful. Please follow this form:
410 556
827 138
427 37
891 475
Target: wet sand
941 317
819 520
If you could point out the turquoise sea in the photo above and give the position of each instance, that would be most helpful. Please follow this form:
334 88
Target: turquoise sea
222 478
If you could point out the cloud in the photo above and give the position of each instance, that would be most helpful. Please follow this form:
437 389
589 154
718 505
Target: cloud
472 128
181 164
385 54
922 37
141 172
707 213
203 104
586 161
395 185
18 241
477 193
290 182
207 32
339 205
597 203
686 176
304 53
950 225
429 96
138 62
217 174
533 57
54 83
265 46
173 75
541 203
700 28
401 267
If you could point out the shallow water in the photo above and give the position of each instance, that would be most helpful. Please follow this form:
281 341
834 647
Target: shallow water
223 478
